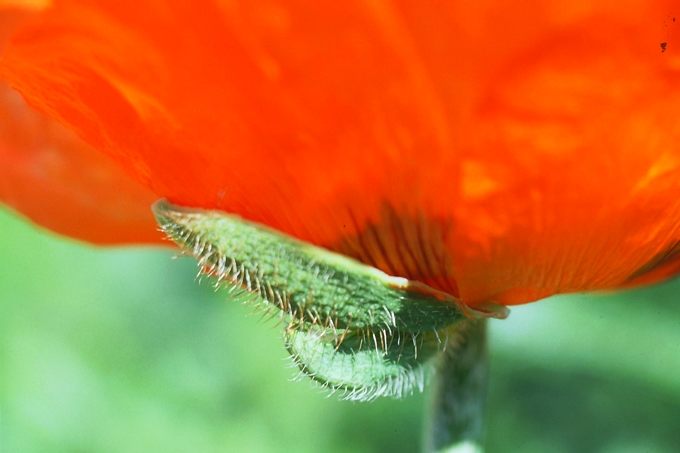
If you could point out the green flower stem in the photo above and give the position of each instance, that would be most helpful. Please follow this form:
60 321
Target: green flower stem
456 421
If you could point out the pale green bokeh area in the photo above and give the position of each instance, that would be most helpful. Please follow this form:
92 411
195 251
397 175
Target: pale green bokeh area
119 350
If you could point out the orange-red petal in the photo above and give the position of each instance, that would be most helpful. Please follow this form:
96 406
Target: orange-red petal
500 154
57 180
61 183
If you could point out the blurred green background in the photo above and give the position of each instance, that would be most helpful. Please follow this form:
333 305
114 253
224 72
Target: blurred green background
119 350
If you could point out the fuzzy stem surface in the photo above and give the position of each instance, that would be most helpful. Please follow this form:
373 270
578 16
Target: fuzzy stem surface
456 419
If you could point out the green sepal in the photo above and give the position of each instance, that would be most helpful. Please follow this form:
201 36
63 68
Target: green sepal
360 368
310 284
350 327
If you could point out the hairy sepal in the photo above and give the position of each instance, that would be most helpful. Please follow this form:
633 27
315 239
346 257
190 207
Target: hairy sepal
350 326
362 368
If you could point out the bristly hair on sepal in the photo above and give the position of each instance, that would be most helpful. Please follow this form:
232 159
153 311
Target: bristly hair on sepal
352 328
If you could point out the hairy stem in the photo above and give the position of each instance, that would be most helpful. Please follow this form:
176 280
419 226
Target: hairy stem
459 395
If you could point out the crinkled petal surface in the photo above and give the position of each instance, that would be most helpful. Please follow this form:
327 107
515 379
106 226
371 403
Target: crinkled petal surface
57 180
499 153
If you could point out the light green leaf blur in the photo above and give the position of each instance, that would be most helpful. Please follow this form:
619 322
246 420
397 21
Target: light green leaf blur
121 351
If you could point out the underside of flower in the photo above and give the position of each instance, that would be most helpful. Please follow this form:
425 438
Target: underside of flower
349 326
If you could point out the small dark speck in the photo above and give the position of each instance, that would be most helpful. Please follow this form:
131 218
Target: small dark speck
664 46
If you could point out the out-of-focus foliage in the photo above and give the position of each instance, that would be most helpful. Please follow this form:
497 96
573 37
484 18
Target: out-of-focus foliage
118 350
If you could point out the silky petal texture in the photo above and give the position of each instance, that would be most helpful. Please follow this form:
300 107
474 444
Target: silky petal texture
502 154
57 180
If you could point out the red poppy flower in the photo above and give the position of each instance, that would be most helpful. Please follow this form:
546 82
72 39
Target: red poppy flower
498 153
